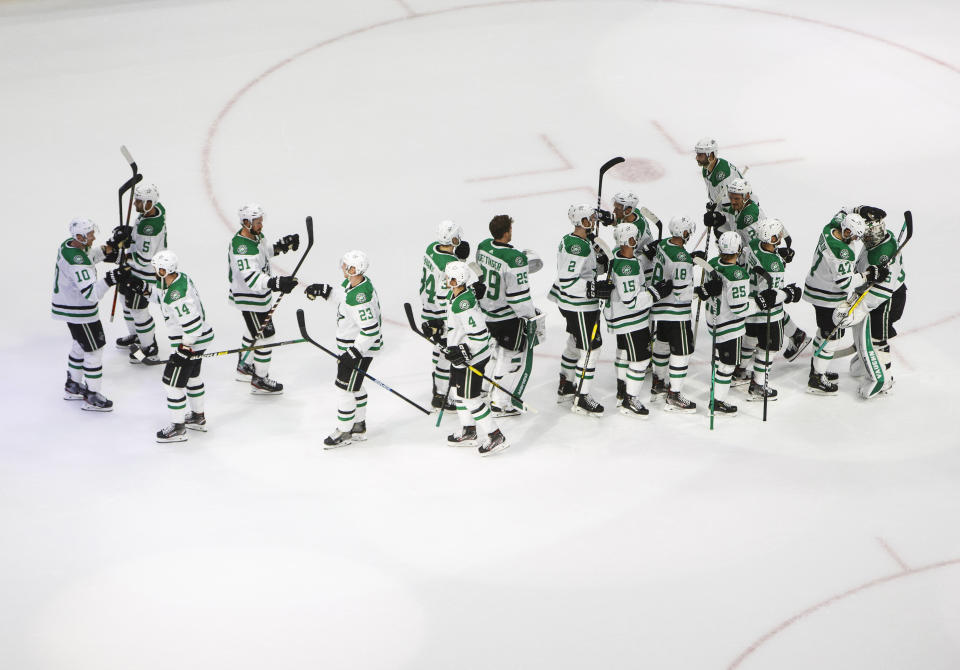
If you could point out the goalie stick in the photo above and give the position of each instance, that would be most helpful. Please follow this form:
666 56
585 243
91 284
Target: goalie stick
302 323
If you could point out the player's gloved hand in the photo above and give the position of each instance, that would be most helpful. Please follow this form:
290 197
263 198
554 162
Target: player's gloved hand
282 284
433 328
793 293
286 243
702 255
121 237
315 291
350 358
133 286
605 217
710 289
713 218
462 250
479 289
117 276
767 298
600 289
180 356
603 261
786 253
870 213
651 249
660 289
877 273
458 355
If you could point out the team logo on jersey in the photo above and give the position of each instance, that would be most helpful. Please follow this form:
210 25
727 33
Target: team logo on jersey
361 297
465 303
575 249
844 253
748 218
78 258
175 294
242 249
681 257
148 230
737 274
775 266
626 269
884 259
518 261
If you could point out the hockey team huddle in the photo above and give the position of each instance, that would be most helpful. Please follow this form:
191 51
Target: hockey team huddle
480 317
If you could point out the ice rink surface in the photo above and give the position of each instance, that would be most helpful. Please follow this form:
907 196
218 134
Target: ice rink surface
825 538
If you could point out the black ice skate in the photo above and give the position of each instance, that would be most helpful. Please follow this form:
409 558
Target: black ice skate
126 342
245 372
96 402
632 406
147 356
465 438
820 385
337 439
658 389
359 431
586 406
497 442
756 392
741 377
74 390
196 421
720 407
621 391
677 403
265 386
566 391
443 401
832 376
501 412
175 432
795 344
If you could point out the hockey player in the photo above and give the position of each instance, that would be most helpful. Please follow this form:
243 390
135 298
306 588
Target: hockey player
146 237
726 297
674 342
509 312
358 338
76 292
761 253
627 312
577 293
468 344
625 211
716 172
449 246
251 285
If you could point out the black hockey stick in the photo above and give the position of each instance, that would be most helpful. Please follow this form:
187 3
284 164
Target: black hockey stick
707 268
766 364
302 323
706 252
127 186
269 317
408 308
251 348
603 170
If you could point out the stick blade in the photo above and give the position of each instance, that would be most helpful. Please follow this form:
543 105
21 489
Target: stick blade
309 224
610 163
302 324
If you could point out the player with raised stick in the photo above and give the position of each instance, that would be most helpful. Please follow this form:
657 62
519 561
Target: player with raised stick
625 211
252 284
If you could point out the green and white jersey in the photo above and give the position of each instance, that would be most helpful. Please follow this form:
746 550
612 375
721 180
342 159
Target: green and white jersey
831 274
674 263
148 237
645 231
628 307
744 221
755 255
249 273
576 265
76 288
506 276
466 325
727 313
183 312
884 253
358 318
717 178
433 283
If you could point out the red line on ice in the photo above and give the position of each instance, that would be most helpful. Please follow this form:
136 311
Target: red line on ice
893 554
537 193
567 165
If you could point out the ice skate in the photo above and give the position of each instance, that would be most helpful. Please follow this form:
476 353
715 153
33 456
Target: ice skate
497 442
174 432
795 344
658 389
244 372
126 342
676 402
74 390
337 439
586 406
467 437
565 391
265 386
820 385
501 412
146 356
443 401
741 377
621 391
196 421
96 402
720 407
359 431
632 406
756 392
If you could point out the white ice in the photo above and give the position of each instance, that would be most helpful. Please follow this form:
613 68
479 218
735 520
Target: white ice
825 538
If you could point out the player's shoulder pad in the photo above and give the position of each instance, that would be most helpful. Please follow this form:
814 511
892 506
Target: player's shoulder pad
73 255
361 294
463 302
515 258
576 246
177 290
242 246
625 266
732 272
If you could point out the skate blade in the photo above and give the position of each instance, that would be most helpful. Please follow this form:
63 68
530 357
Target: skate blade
72 396
465 443
256 391
821 392
737 383
199 429
242 378
94 408
329 447
583 412
564 399
497 449
759 398
679 410
627 412
174 438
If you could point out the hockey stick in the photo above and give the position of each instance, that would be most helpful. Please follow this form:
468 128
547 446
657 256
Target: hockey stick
650 216
127 186
706 267
240 349
766 364
603 170
908 223
703 273
269 317
302 323
586 362
413 326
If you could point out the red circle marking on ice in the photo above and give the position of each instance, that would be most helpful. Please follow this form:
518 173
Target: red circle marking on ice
639 170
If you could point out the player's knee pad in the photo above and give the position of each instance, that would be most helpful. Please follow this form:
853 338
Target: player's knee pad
725 369
93 358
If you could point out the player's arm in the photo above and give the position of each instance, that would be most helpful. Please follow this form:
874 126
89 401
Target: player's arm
517 289
478 339
189 317
366 315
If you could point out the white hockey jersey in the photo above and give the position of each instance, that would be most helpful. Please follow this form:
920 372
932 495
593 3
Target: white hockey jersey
76 287
183 313
358 318
249 273
466 325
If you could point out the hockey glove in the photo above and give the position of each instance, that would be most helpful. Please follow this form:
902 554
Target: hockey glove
710 206
793 293
660 289
286 243
877 273
133 286
282 284
605 217
462 250
713 218
180 357
600 289
702 255
458 355
118 276
351 357
651 250
710 289
870 213
479 289
534 262
767 298
786 253
603 261
121 237
433 328
315 291
841 318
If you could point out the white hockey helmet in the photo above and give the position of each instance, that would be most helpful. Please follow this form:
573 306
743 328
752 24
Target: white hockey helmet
706 145
250 212
682 226
627 200
459 272
449 230
146 192
577 213
875 234
626 231
355 259
164 260
770 230
730 242
855 225
741 186
81 226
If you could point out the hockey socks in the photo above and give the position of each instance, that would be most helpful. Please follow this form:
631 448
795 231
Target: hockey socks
141 324
678 372
661 359
724 374
176 403
568 359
